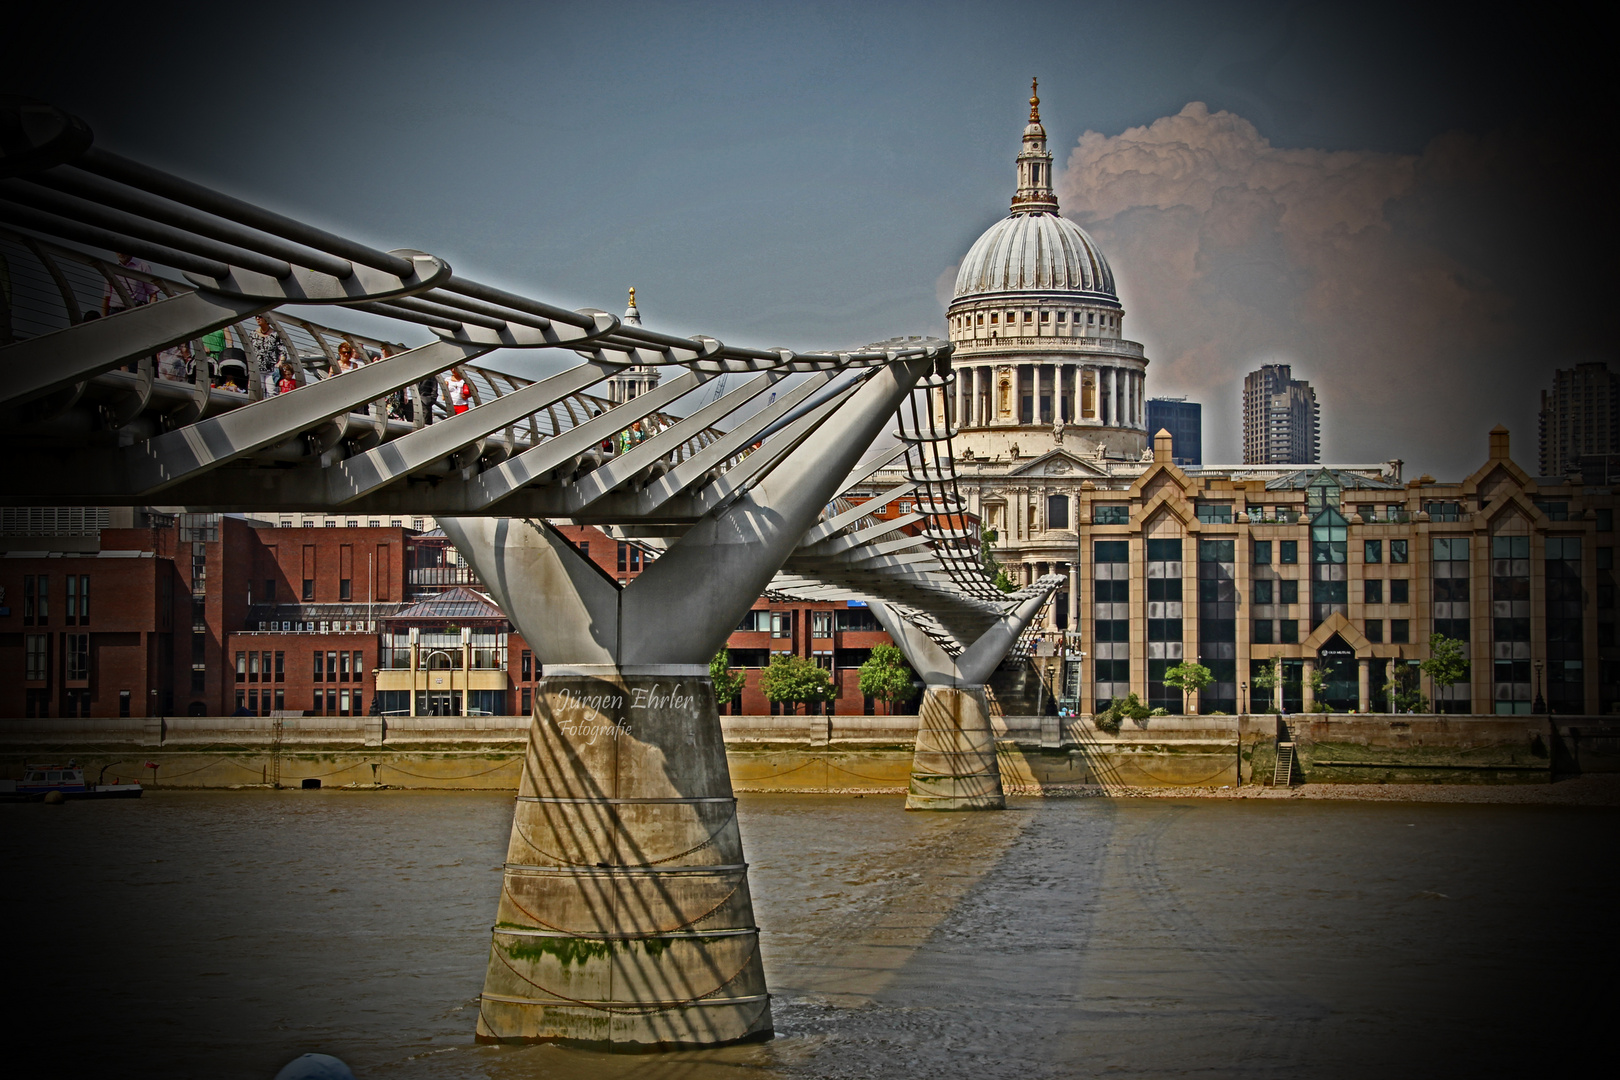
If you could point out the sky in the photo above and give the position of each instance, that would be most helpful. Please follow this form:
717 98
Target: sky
1408 204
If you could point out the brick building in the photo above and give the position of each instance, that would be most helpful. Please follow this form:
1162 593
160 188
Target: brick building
206 614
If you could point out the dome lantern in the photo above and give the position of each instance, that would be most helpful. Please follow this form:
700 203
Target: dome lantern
1034 194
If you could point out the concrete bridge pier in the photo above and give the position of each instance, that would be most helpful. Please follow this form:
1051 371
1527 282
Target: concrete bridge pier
625 917
954 765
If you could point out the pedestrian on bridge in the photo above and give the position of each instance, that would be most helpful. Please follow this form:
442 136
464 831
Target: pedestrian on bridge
427 393
269 352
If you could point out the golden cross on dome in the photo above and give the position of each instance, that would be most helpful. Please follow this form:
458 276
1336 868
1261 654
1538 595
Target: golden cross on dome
1034 101
632 296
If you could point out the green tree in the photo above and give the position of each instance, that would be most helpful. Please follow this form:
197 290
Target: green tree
1128 707
727 683
1447 663
887 677
1404 685
1189 678
792 680
1265 682
992 567
1318 681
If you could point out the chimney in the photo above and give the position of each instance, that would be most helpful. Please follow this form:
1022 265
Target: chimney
1499 443
1161 447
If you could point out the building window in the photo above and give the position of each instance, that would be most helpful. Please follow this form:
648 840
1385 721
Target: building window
1400 631
1397 551
269 590
1262 631
70 586
1451 587
281 667
528 701
1374 629
1562 605
1510 624
1164 617
1288 631
36 600
821 624
345 588
528 669
1605 521
1555 511
77 648
1288 551
1215 513
1262 591
1110 515
1372 551
1397 591
309 589
1262 552
1288 591
1443 511
1057 511
123 703
38 666
1111 620
1217 624
320 668
1372 591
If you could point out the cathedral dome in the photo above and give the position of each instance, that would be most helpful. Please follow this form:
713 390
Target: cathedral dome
1039 251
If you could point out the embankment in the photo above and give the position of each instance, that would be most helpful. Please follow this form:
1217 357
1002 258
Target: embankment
839 753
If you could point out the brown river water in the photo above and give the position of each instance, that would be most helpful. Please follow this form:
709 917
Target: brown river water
220 934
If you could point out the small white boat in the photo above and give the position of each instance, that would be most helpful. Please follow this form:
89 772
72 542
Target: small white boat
40 780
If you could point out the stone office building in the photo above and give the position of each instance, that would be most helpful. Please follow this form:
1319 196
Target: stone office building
1348 572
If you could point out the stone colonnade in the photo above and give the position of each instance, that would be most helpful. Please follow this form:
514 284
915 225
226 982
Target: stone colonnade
1114 396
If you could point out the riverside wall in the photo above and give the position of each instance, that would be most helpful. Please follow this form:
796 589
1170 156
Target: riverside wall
837 753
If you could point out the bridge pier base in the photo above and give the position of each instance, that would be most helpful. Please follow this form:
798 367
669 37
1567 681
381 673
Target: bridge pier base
954 766
625 916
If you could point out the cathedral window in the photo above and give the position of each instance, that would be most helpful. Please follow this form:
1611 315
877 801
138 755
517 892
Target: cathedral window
1046 316
1029 316
1091 318
1063 316
981 318
995 317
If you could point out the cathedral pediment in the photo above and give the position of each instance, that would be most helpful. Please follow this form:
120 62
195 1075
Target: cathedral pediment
1058 464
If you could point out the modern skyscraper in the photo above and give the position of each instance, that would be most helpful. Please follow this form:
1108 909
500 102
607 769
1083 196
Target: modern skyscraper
1580 418
1184 420
1282 423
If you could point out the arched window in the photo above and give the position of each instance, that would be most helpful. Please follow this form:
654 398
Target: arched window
1057 511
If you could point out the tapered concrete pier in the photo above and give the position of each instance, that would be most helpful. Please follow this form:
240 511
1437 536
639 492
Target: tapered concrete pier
624 914
625 917
954 765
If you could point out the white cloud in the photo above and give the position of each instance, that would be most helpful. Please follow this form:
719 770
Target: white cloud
1387 280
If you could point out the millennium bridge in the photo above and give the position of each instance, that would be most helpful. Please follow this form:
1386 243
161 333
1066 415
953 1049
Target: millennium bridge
625 915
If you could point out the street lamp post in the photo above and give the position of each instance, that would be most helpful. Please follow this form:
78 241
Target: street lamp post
1540 705
1244 688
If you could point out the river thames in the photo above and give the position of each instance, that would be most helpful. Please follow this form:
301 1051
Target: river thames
220 934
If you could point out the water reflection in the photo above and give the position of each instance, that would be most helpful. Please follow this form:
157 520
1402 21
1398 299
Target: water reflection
220 934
